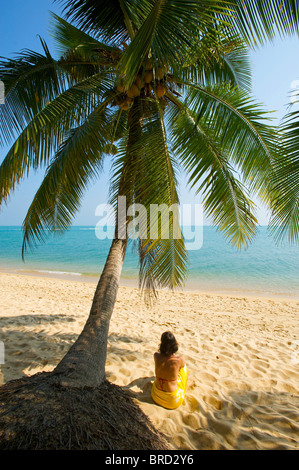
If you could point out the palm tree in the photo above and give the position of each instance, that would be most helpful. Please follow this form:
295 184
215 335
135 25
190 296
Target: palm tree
156 86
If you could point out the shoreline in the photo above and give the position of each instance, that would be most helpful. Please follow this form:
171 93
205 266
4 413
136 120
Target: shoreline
190 286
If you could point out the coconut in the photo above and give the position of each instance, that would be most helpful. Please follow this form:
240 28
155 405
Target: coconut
149 64
148 76
139 82
160 90
124 106
133 91
120 88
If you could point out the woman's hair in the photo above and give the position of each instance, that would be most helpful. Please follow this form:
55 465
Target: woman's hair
168 344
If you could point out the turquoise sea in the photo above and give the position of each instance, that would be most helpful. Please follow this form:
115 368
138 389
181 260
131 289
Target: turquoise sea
265 268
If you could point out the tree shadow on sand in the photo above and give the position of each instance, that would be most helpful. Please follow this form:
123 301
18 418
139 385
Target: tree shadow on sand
29 349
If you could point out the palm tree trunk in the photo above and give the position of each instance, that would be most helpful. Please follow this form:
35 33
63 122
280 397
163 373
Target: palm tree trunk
84 364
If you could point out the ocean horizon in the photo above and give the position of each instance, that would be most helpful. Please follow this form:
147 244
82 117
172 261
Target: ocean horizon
263 269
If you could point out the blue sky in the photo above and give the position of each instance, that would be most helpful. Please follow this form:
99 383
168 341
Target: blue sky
275 69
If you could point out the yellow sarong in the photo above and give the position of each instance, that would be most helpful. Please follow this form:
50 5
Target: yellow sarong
172 400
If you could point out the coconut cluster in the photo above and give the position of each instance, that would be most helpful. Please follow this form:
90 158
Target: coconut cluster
144 83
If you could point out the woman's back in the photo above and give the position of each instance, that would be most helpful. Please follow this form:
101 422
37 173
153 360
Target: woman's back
167 369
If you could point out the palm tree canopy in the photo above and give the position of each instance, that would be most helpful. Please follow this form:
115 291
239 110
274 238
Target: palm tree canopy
159 87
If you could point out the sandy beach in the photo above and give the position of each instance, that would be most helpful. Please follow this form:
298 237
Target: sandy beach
242 353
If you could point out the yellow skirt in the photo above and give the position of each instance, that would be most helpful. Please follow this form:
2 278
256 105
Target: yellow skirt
172 400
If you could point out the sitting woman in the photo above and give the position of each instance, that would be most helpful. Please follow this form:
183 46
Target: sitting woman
169 387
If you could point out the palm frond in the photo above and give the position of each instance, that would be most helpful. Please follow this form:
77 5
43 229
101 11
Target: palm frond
163 256
78 160
125 165
46 131
261 20
105 19
211 174
70 40
285 217
238 66
166 35
215 58
145 165
241 126
31 81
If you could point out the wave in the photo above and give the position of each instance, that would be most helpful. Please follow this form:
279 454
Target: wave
59 272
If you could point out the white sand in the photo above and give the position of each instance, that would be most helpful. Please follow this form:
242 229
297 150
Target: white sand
242 353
